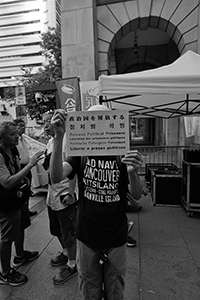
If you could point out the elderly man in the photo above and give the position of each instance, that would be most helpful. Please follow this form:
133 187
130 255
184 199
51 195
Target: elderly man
24 153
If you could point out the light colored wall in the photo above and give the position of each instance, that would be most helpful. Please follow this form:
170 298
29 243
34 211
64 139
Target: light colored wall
87 52
79 39
178 19
198 31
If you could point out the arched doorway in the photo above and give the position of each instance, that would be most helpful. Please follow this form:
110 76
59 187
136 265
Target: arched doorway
144 43
141 50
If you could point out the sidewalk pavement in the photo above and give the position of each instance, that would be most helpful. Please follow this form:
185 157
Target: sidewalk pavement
165 264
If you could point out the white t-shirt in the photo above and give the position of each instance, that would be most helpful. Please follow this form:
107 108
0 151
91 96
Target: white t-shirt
57 189
23 151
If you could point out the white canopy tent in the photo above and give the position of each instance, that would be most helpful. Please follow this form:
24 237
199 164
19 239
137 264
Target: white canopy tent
169 91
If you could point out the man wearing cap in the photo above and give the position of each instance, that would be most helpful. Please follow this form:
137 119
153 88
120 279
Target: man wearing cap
24 153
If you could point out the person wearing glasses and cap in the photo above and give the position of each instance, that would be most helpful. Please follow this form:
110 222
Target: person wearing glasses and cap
24 153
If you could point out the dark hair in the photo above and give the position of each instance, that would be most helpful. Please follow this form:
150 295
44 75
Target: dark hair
4 126
18 121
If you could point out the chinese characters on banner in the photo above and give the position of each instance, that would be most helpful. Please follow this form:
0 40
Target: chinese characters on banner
21 112
20 101
69 94
97 133
20 95
89 94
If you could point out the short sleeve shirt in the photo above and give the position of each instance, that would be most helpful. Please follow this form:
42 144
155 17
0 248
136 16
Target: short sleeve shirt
101 221
57 189
4 172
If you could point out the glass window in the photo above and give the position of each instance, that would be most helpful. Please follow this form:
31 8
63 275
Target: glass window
142 131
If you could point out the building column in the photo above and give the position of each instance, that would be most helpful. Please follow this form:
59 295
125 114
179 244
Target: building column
198 31
79 39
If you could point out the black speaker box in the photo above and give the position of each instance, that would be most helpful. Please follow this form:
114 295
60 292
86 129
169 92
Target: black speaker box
157 166
166 188
193 184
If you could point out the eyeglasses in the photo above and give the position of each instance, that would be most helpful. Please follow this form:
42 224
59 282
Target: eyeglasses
21 125
47 123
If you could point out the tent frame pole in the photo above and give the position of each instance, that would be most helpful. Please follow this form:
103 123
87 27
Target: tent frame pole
187 104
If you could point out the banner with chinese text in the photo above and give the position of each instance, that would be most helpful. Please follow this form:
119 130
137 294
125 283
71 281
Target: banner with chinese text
69 93
20 95
89 94
21 112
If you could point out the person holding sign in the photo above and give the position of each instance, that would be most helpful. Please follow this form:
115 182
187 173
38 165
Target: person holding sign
101 228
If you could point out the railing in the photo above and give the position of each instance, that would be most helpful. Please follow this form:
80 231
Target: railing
161 154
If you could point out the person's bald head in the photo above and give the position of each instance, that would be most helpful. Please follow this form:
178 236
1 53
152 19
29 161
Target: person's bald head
98 107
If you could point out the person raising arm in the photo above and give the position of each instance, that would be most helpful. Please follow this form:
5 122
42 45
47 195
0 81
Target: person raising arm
58 169
101 227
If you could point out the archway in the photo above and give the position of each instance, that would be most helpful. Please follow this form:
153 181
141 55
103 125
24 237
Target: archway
154 49
141 49
177 19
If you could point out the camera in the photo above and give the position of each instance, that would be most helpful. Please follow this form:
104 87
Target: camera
22 189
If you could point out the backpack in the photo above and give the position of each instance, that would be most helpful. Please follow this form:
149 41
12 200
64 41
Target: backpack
14 198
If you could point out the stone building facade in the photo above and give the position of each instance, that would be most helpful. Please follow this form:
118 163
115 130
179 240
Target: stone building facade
116 37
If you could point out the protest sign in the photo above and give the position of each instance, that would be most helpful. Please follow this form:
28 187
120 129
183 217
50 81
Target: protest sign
68 93
20 95
97 133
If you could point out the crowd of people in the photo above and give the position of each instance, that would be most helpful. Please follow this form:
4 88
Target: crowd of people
93 234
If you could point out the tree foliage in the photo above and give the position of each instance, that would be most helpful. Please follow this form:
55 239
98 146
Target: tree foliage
46 75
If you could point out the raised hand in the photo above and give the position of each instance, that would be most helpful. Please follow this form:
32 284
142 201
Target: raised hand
35 158
58 122
133 160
